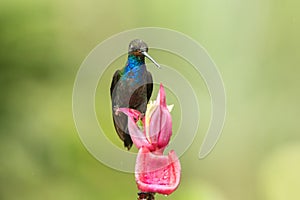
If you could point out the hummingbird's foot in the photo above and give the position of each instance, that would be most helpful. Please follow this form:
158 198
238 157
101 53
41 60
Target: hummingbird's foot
116 110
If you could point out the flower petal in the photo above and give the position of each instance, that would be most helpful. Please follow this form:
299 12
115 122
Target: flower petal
160 127
165 128
137 135
135 114
157 173
161 97
151 108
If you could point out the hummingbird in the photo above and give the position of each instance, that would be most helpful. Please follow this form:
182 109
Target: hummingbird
131 87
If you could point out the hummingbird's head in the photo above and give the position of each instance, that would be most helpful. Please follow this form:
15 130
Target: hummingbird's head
139 48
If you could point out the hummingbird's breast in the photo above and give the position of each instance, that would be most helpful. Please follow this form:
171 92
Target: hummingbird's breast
136 75
132 90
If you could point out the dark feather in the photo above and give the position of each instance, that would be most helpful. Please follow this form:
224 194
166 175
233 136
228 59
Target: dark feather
115 80
120 119
138 101
149 86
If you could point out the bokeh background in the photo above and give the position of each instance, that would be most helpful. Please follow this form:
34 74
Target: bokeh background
255 44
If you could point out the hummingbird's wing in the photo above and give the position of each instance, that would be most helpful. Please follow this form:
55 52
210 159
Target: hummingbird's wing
115 80
120 119
149 85
142 94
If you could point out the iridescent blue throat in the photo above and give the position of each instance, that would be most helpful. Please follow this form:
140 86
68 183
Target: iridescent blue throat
134 63
135 69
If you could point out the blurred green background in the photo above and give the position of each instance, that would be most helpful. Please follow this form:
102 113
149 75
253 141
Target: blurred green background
255 44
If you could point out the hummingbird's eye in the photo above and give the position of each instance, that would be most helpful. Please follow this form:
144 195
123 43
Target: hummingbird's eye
144 49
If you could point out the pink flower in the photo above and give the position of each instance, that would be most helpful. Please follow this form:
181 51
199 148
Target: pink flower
155 129
157 173
154 172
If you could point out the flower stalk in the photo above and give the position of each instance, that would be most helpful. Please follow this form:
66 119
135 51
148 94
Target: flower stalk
146 196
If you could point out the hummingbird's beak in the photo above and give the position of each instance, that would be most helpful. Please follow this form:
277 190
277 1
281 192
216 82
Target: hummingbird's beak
149 57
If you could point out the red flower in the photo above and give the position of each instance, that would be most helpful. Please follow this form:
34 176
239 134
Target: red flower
154 172
157 173
155 129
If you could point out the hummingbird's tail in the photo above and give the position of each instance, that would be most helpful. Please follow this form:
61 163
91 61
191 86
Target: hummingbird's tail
120 124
